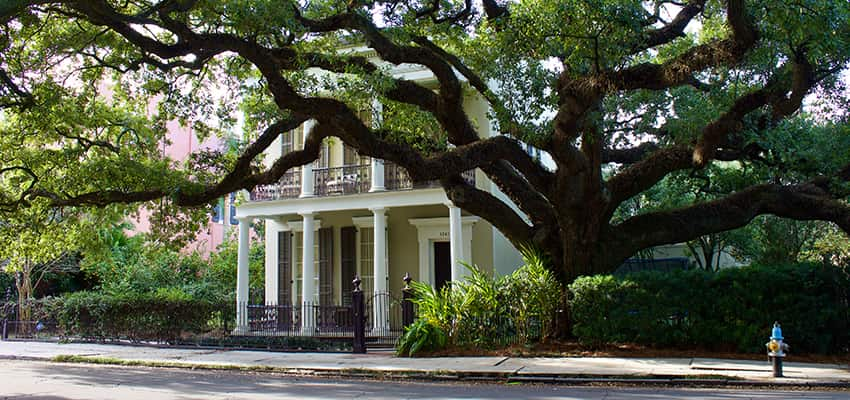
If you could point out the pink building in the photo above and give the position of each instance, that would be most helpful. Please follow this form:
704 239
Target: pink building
181 143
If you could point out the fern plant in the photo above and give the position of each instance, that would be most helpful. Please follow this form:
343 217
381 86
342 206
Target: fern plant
485 312
421 336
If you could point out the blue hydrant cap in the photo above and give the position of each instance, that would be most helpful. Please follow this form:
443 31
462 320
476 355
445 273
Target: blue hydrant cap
777 332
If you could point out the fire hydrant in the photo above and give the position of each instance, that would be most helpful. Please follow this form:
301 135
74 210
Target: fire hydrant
776 349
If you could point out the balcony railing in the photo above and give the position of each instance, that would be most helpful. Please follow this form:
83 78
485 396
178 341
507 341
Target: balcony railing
288 187
396 178
349 179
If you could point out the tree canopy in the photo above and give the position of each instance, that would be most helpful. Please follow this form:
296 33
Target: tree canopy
620 94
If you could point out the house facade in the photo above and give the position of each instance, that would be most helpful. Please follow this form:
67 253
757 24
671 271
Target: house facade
346 215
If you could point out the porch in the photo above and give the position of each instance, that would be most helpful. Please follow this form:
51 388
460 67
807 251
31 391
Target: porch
312 257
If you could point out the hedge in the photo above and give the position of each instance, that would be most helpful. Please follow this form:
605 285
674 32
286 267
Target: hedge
733 309
164 316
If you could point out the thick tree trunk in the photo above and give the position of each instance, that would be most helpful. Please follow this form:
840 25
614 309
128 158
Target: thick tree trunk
583 250
577 256
708 250
23 282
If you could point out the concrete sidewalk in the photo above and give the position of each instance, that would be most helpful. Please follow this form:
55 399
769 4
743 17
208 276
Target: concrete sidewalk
385 365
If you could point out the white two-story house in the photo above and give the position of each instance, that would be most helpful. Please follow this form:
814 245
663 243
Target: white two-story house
346 215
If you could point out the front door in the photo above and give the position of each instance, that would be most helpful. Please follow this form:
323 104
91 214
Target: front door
442 264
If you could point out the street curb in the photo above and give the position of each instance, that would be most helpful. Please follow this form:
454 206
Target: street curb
678 381
455 376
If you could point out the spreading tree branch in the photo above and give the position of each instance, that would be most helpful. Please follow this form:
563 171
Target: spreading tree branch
799 202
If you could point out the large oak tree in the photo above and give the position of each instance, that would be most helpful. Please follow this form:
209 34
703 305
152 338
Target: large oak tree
619 93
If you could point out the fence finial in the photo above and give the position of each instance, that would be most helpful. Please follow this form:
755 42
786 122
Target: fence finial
407 280
356 283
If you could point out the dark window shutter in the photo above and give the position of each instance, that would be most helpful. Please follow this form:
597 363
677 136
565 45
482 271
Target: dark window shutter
233 220
284 268
218 211
348 256
326 246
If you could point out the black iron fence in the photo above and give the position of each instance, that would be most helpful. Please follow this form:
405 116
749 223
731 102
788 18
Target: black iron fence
384 323
297 320
382 315
38 330
370 320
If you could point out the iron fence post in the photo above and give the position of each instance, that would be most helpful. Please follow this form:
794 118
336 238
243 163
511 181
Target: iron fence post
359 313
407 302
225 319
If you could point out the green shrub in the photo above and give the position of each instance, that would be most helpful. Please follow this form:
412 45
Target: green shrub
483 312
480 316
164 315
730 309
533 296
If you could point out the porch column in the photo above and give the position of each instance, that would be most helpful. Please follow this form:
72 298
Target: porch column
308 276
456 240
307 169
377 164
380 299
425 269
377 175
242 276
271 261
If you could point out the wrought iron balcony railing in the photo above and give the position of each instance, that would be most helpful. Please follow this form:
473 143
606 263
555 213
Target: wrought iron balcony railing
345 180
350 179
288 187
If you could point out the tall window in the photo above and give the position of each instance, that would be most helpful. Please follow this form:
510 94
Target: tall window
366 265
298 272
352 157
287 143
324 155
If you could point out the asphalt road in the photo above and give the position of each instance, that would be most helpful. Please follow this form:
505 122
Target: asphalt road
43 380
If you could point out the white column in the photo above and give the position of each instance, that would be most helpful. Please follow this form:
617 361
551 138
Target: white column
377 175
424 260
456 240
272 263
377 164
242 276
308 276
307 169
380 309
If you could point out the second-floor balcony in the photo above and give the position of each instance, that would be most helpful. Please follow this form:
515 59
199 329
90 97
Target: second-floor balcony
345 180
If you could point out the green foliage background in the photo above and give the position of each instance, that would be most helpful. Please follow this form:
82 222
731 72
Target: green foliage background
733 309
152 292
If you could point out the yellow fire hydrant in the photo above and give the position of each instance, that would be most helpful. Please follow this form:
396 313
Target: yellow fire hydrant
776 349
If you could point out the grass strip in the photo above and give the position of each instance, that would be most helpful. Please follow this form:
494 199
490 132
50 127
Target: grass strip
344 372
